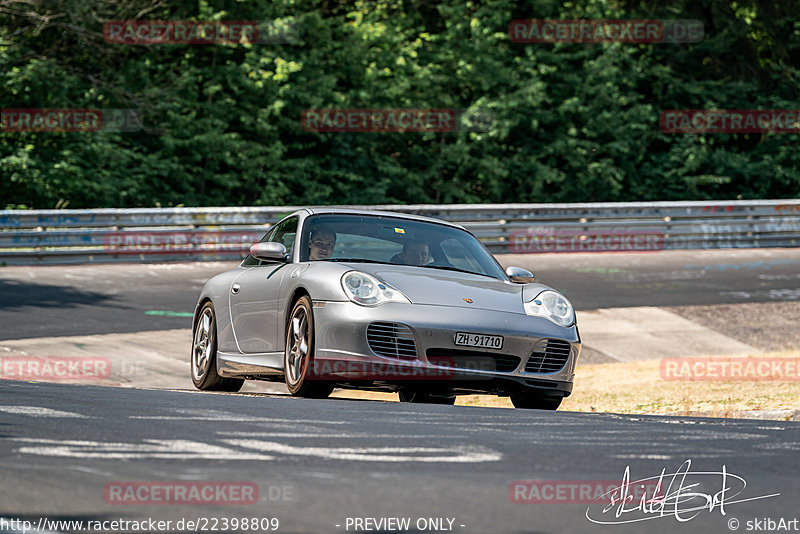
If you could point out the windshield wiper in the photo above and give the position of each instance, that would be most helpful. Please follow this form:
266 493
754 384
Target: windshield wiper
442 267
445 268
358 260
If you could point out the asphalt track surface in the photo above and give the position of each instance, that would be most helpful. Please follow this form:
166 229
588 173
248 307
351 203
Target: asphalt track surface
101 299
317 463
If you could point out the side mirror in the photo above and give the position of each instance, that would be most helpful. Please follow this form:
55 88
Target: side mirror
270 251
519 275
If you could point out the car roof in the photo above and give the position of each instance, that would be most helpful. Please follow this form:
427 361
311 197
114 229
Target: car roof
378 213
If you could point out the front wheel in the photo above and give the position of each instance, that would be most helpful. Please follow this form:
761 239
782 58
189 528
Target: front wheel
533 401
298 356
204 355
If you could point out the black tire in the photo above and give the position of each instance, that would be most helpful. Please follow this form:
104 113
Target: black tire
298 355
204 354
534 401
412 395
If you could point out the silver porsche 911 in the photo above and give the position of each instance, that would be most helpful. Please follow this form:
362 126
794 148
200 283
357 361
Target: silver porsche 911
388 302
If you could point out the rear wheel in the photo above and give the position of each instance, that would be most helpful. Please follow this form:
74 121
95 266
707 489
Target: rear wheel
534 401
204 354
411 395
299 354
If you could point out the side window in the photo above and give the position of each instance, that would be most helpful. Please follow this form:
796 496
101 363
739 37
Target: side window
285 234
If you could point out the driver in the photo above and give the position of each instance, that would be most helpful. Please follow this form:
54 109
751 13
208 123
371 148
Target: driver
413 253
320 244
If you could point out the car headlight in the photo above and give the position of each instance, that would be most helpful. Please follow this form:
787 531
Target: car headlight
553 306
367 290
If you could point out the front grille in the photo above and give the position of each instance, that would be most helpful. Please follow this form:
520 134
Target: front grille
394 340
554 357
473 360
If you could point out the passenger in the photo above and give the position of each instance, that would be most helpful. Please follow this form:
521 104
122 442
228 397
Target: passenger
413 253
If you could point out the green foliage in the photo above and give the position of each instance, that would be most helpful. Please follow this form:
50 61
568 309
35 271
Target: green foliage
571 122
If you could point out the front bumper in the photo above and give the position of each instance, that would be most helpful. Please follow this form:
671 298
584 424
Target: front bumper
344 354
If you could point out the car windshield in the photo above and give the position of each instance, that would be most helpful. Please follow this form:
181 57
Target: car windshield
395 241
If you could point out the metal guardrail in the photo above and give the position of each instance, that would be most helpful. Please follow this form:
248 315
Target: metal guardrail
161 234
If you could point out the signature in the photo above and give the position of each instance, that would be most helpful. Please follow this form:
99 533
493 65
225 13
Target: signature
675 495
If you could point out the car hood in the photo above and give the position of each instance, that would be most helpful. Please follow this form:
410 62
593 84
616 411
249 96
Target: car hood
449 288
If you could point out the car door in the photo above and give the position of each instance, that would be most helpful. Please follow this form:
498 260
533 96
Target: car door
255 294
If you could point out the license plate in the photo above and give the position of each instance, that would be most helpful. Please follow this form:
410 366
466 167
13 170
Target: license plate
466 339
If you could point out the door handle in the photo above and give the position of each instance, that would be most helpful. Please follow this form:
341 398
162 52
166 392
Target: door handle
235 288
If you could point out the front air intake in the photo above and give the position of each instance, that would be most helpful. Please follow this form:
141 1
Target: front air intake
554 357
393 340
